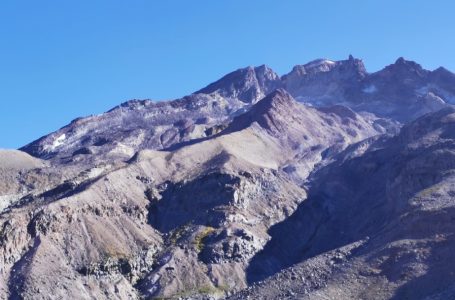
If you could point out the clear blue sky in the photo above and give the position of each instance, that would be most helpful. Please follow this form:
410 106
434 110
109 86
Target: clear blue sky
64 59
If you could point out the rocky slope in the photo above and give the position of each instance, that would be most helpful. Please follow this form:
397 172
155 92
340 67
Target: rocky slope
241 190
398 197
202 209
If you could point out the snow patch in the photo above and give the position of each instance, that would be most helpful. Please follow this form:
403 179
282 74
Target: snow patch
59 141
323 65
319 62
434 90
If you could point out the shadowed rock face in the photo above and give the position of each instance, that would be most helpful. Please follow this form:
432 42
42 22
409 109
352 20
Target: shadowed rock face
196 202
327 183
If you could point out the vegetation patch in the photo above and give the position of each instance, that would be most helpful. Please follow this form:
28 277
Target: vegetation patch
200 237
178 233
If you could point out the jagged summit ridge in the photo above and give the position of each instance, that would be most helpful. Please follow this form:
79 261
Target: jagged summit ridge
401 92
248 84
325 65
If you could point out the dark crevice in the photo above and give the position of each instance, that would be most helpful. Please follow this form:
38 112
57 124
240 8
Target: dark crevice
173 205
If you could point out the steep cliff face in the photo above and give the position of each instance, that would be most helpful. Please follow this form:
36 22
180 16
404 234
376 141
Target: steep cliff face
325 183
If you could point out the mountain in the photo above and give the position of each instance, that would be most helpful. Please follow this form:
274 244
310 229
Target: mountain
323 82
248 85
160 202
326 183
144 124
402 91
398 197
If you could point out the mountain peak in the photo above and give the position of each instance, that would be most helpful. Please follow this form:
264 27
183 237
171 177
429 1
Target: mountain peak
441 69
247 84
401 62
323 65
277 98
354 63
273 109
